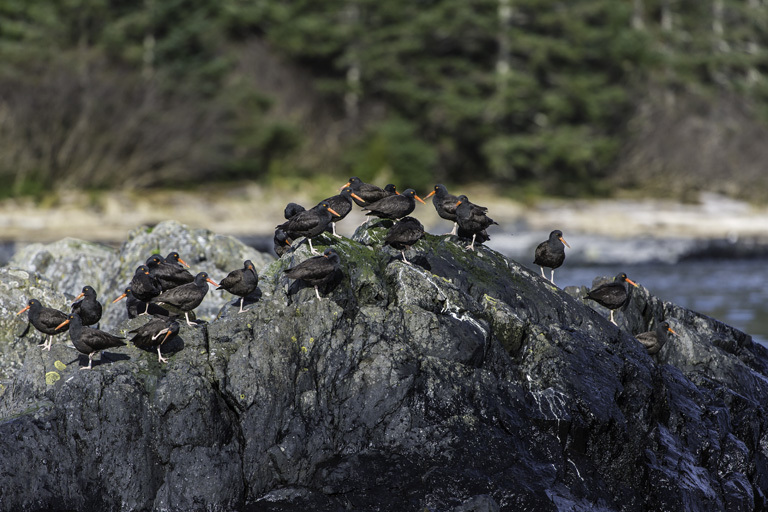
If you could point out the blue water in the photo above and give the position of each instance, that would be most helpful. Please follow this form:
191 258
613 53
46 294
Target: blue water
732 291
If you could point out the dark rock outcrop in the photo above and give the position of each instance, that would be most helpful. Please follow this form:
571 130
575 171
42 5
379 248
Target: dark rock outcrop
464 382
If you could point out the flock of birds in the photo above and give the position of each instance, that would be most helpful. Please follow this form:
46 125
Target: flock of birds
165 289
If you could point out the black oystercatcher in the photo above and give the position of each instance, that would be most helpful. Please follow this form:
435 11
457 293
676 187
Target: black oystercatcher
282 242
654 340
88 340
404 234
341 204
187 296
89 308
472 220
309 223
393 207
154 333
169 271
144 286
445 205
316 270
365 193
136 307
292 209
613 295
391 189
551 253
175 260
241 282
45 320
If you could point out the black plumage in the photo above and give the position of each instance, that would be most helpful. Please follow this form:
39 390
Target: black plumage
154 333
168 271
341 204
654 340
316 270
445 205
551 253
88 340
394 207
472 221
88 308
45 320
309 223
241 282
282 242
144 286
187 296
136 307
612 295
366 193
292 209
404 234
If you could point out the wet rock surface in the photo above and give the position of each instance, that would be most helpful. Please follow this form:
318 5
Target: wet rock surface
463 383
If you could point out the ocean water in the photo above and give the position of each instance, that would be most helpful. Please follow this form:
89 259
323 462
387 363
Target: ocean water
732 291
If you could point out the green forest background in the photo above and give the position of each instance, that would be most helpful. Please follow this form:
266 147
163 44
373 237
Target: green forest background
534 97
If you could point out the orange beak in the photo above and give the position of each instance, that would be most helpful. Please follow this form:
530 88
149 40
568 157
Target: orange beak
345 186
183 262
333 211
670 330
632 283
566 243
458 203
430 195
120 298
212 282
419 199
23 310
78 298
166 336
357 197
62 324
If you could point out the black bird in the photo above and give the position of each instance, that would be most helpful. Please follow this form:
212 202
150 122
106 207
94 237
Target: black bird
136 307
45 320
472 221
316 270
613 295
309 223
292 209
154 333
282 242
341 204
144 286
187 296
404 234
551 253
393 207
241 282
174 259
88 340
445 205
365 193
654 340
392 189
89 308
169 271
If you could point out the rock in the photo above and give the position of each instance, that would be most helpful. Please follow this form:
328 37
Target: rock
16 333
72 264
464 382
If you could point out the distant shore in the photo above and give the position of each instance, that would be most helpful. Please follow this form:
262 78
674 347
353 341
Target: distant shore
648 229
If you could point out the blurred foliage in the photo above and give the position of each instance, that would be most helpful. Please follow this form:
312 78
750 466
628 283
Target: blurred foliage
530 93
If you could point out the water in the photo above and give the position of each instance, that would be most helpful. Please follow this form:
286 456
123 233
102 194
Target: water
732 291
